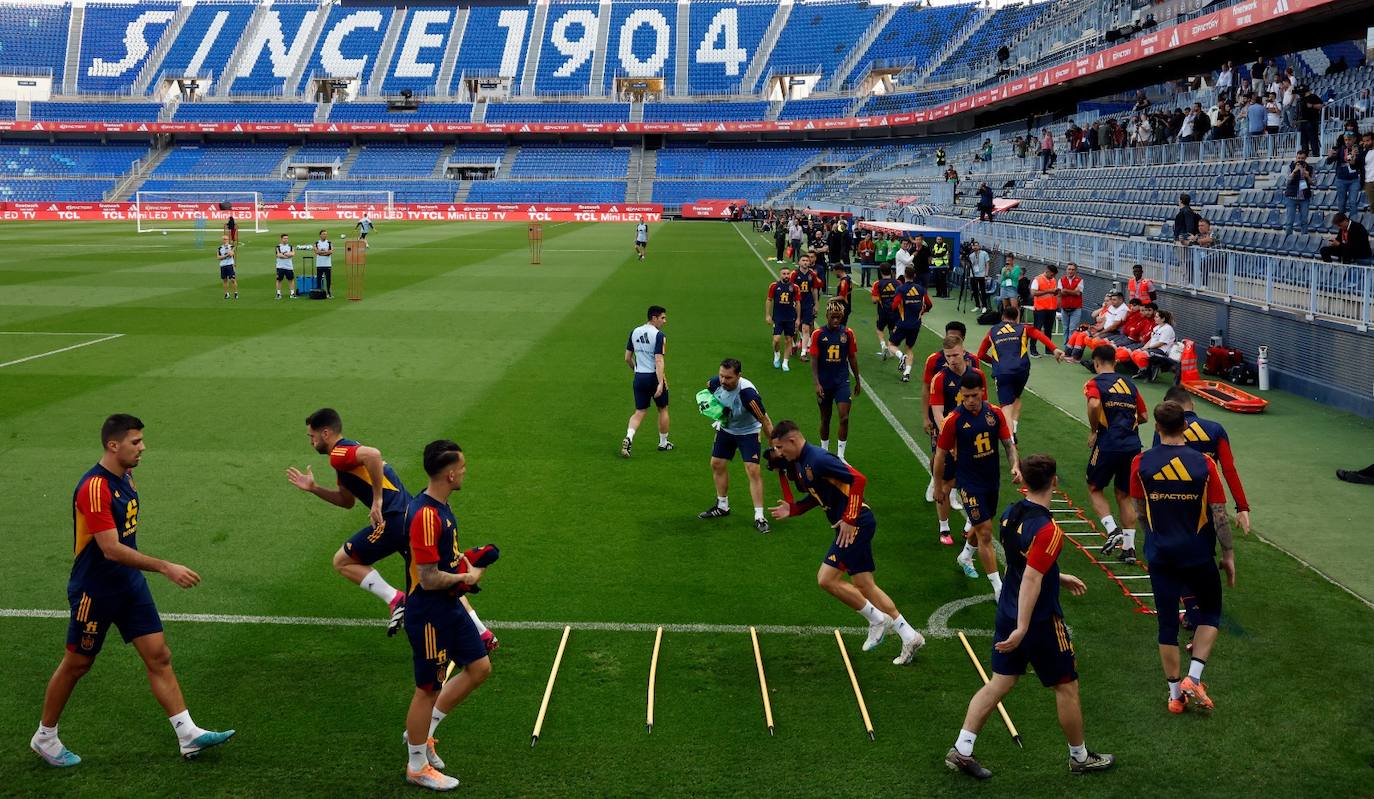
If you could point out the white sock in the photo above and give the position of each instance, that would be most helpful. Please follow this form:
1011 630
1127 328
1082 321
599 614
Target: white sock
418 759
839 448
871 613
784 360
662 439
906 631
1079 753
1109 523
375 584
1195 669
825 444
996 580
907 370
964 745
47 740
969 549
1128 536
758 512
186 730
435 717
630 433
1174 691
968 527
481 628
944 525
723 503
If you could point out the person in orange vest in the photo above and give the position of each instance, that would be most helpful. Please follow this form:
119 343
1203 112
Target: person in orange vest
1045 301
1071 299
1139 287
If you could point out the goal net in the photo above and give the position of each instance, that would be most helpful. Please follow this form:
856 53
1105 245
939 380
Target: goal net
179 211
330 204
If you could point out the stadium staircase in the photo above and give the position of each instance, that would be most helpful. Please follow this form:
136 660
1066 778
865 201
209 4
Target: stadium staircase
444 87
464 188
250 32
749 84
297 190
287 158
536 36
124 191
637 111
292 87
347 163
322 112
856 53
479 111
683 47
169 109
980 18
603 38
382 65
73 67
774 109
441 166
643 169
503 172
153 65
23 110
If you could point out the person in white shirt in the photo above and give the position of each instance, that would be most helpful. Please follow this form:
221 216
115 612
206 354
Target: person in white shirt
324 263
227 275
978 277
1110 316
794 239
1160 347
644 354
905 260
285 266
641 239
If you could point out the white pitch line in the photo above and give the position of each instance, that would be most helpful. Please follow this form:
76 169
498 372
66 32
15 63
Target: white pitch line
48 332
1132 576
62 349
937 626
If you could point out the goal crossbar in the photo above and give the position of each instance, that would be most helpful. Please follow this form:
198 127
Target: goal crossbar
189 211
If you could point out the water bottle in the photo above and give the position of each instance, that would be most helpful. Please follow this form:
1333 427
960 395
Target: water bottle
1262 367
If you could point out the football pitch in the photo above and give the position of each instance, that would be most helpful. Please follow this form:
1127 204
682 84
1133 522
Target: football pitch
460 337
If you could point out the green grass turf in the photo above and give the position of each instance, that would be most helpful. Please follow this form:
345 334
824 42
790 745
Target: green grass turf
459 336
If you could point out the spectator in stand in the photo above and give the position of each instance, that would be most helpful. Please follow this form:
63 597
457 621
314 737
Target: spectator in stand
1185 221
952 176
1201 124
1273 114
1070 299
1205 237
1254 120
1271 71
939 156
1367 144
1226 81
1019 148
985 204
1338 66
1144 133
1297 192
978 277
984 151
1225 127
1008 280
1350 245
1309 118
1045 302
1142 103
1047 155
1176 120
1348 160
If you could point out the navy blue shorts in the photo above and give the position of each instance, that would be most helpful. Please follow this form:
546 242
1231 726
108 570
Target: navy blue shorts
1046 648
856 558
133 612
884 320
904 335
226 272
1198 586
728 443
438 637
367 546
1009 387
980 505
286 274
645 384
837 393
1107 468
784 327
808 316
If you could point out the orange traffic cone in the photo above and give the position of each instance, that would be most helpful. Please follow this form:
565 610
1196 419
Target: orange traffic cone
1188 366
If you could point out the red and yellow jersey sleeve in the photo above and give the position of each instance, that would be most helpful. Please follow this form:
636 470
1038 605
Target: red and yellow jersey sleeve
344 457
1137 487
1045 547
425 528
853 345
93 505
814 348
1216 491
932 366
946 439
1091 391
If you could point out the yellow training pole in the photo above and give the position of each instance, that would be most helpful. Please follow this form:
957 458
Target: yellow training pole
548 690
763 681
854 681
1015 736
653 672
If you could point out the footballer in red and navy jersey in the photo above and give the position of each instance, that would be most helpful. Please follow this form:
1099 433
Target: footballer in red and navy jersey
838 488
362 475
834 354
1007 348
106 588
972 434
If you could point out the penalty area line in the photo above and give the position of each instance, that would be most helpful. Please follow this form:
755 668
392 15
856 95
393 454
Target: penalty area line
938 628
16 361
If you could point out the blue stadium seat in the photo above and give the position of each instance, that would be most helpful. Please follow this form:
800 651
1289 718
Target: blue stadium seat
40 159
35 38
225 20
244 112
562 191
384 159
352 37
217 160
704 112
107 63
723 69
107 112
571 161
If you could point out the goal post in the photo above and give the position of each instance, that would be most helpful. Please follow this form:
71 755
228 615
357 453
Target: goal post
189 211
342 204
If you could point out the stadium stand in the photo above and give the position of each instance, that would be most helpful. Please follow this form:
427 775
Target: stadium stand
268 190
35 38
376 112
403 191
222 159
731 160
533 191
419 54
211 26
819 35
557 112
387 159
110 59
39 159
677 192
49 190
702 112
984 41
110 112
484 51
641 42
244 112
267 63
351 43
570 161
914 36
722 71
816 109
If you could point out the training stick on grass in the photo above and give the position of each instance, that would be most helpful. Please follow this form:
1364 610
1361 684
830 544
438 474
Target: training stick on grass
548 690
1015 736
763 681
854 681
653 673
